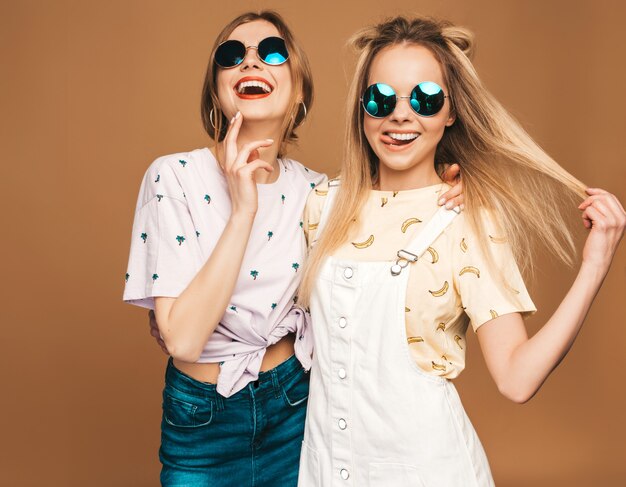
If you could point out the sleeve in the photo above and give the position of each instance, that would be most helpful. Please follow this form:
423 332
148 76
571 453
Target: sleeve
313 211
488 288
164 252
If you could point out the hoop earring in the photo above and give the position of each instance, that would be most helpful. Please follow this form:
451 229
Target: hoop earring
211 119
294 118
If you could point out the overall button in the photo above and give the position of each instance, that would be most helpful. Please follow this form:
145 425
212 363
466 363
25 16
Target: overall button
348 272
342 373
344 474
342 424
342 322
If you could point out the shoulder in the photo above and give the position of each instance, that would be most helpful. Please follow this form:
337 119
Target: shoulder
178 161
316 200
164 176
481 223
304 174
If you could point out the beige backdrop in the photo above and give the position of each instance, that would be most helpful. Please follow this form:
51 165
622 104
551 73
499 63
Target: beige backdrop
93 91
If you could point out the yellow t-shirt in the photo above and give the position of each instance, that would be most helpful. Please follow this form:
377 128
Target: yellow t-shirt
450 286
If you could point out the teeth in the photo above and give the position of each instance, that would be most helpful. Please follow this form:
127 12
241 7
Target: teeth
402 136
259 84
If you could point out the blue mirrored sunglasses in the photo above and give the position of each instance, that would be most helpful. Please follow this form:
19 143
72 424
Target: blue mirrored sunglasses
426 99
271 50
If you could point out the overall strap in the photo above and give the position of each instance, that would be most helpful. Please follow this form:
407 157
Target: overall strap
435 226
333 187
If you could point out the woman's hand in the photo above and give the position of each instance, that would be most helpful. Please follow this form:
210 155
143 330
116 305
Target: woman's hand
239 167
604 215
454 196
154 331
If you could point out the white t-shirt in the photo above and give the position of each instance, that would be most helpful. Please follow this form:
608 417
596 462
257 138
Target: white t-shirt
181 212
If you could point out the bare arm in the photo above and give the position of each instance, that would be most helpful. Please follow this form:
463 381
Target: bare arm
520 365
186 322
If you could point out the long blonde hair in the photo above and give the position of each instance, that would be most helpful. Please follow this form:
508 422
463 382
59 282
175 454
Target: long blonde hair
504 171
213 119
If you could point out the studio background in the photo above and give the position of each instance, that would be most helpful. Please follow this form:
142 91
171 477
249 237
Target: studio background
92 92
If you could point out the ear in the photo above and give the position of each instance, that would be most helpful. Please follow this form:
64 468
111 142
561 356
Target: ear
451 120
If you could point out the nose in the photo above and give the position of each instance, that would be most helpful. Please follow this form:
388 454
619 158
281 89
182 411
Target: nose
251 60
403 111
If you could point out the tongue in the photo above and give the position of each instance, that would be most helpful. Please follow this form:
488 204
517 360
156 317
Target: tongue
388 140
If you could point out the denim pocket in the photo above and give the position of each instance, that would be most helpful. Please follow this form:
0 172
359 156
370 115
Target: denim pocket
296 388
179 411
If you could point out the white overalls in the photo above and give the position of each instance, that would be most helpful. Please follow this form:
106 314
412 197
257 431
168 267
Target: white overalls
374 418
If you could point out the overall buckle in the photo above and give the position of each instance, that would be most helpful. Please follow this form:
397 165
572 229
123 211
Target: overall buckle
403 260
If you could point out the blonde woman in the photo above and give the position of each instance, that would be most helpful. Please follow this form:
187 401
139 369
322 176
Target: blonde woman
393 281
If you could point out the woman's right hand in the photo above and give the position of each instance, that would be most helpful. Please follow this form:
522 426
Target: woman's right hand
239 166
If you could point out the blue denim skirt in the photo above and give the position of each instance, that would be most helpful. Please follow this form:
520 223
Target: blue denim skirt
252 438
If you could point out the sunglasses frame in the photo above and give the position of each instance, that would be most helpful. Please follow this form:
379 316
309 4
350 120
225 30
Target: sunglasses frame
402 97
251 47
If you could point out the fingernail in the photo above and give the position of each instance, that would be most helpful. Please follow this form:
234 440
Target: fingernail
237 114
449 205
269 140
441 201
232 120
462 206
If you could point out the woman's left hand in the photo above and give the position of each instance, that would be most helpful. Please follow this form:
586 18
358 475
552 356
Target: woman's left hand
604 215
454 196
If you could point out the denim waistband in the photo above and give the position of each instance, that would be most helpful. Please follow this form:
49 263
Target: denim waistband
267 381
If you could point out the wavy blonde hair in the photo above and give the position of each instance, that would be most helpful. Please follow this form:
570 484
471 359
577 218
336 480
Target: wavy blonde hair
301 78
504 170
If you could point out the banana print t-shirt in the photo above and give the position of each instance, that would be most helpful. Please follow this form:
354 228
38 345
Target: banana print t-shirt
182 209
449 287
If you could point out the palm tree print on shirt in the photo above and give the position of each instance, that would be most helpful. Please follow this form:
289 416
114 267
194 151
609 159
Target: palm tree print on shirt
312 185
144 237
274 305
158 178
197 233
295 266
183 163
207 198
155 277
180 239
270 234
254 274
233 308
126 277
282 198
159 197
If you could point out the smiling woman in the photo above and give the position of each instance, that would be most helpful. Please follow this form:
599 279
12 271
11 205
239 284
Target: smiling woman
264 41
394 282
215 242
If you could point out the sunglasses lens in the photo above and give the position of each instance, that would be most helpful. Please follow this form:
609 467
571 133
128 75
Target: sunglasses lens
272 50
427 98
230 53
379 100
